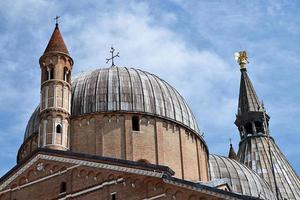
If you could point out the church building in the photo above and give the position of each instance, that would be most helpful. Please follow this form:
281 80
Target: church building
122 133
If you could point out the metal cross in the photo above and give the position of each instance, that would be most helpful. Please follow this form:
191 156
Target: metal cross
112 50
56 19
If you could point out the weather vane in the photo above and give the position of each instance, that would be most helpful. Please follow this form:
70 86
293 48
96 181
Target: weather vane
241 58
56 20
112 50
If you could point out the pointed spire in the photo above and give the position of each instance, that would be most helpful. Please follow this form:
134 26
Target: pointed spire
232 154
248 100
56 42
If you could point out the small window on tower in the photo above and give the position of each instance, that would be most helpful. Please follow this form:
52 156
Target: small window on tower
63 187
259 127
249 129
113 196
66 72
69 77
135 123
58 128
51 73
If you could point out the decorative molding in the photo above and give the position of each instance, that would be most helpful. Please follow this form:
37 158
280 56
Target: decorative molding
202 190
79 162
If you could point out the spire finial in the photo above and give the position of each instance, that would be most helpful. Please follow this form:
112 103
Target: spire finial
56 42
231 153
241 58
112 50
56 20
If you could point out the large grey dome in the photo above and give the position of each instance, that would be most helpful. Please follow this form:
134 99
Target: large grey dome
242 179
127 90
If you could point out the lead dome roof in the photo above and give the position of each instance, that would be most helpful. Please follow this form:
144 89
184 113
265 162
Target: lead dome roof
243 180
127 90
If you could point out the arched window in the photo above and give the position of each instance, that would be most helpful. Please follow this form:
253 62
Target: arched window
248 128
66 72
113 196
58 128
259 127
44 74
135 123
50 73
63 187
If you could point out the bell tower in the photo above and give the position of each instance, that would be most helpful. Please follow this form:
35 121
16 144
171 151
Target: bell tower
251 118
55 109
257 148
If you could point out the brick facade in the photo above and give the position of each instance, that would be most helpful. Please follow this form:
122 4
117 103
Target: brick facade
55 175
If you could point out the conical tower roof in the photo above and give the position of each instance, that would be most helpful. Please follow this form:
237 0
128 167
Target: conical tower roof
254 152
232 153
56 43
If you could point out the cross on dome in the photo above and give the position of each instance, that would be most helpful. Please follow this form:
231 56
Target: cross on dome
112 50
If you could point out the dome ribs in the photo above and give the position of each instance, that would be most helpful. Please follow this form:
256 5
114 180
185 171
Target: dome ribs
149 98
119 88
268 169
137 92
287 180
74 88
244 180
131 94
96 91
185 113
113 100
153 94
142 88
165 98
169 97
159 96
178 102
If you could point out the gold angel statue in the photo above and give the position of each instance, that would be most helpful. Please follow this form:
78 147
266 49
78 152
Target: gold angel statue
241 58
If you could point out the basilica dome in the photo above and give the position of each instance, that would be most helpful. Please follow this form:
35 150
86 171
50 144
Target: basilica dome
126 90
119 112
242 179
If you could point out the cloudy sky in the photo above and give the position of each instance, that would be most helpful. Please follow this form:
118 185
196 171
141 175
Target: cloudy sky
190 44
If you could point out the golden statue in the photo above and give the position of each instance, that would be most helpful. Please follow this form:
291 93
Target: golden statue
241 58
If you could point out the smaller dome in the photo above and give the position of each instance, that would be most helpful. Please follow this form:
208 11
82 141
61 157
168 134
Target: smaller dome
242 179
33 123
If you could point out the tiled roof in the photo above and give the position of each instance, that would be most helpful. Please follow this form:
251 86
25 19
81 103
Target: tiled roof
56 43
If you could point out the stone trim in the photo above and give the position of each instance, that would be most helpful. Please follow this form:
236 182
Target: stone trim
216 193
80 162
156 197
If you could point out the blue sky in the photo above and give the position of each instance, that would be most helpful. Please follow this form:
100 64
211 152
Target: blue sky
190 44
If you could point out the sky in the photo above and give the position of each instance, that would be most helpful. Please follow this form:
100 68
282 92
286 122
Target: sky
190 44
